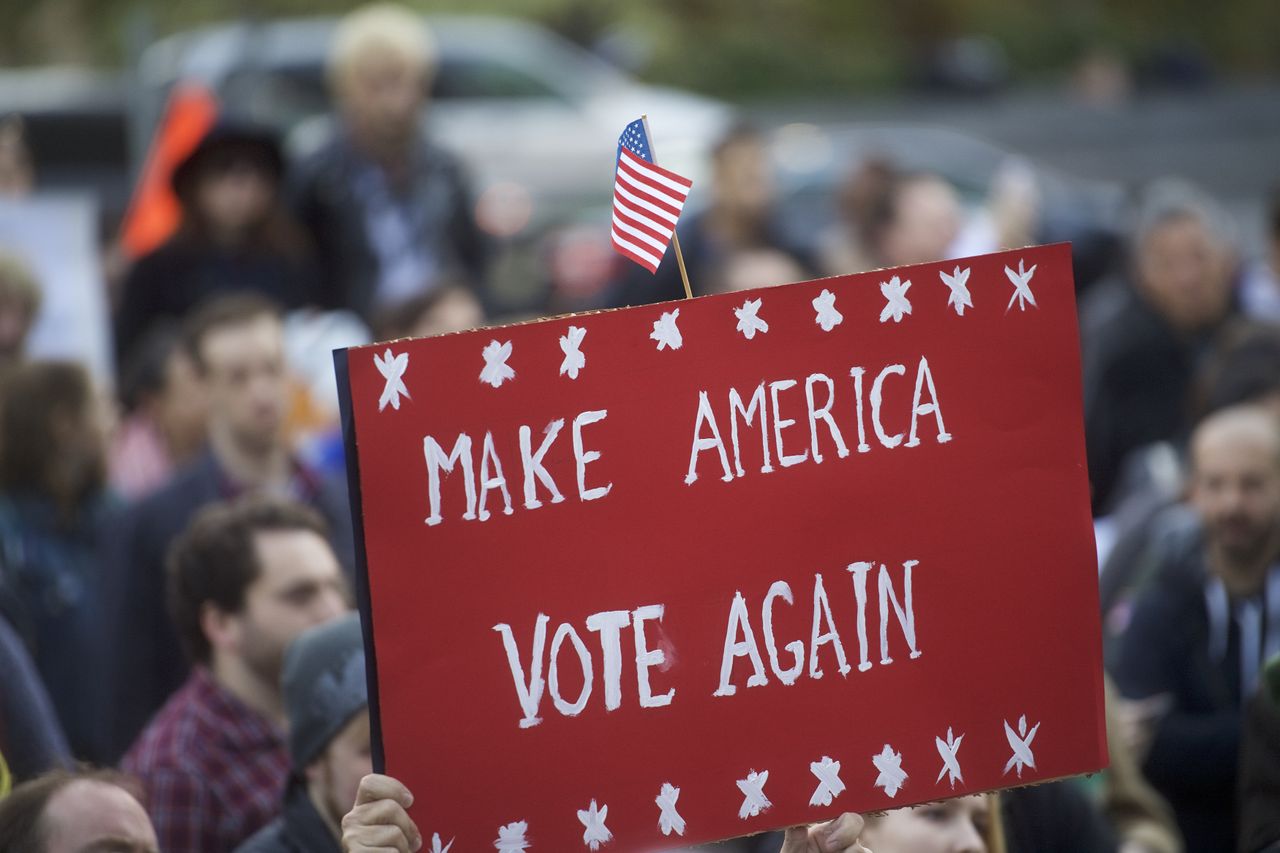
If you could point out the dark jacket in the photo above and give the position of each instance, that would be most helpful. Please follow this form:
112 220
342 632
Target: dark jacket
1138 372
185 272
1193 758
31 741
150 660
330 192
1260 767
299 829
51 573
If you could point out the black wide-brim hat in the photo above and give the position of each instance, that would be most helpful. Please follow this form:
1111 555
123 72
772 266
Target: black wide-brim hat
232 139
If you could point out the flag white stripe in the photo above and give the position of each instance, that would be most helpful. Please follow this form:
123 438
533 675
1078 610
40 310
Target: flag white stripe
664 231
639 235
631 247
619 190
643 167
677 194
675 201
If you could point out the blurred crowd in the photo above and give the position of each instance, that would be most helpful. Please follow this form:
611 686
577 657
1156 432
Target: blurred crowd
176 549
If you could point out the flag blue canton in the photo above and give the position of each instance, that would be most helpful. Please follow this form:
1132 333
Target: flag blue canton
635 140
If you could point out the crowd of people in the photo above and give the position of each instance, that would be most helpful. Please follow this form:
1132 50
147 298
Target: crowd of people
180 669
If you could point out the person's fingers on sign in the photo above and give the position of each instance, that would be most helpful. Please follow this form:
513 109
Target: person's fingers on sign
834 836
379 822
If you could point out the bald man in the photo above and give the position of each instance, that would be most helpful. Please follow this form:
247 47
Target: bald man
1200 632
75 812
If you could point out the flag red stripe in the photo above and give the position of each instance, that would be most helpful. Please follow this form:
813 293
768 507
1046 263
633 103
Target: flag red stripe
656 173
657 230
633 252
656 192
638 234
635 200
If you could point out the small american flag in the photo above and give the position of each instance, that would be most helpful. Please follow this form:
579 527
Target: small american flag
647 199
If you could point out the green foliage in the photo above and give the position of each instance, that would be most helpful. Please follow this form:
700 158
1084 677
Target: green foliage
737 48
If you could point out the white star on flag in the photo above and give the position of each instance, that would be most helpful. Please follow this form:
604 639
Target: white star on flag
665 331
571 346
1020 743
511 838
669 820
749 321
435 844
753 799
1021 281
593 819
496 370
829 784
891 777
958 281
896 304
828 317
392 369
947 749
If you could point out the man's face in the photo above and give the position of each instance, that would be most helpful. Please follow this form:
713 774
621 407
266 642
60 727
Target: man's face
382 97
97 817
245 381
182 409
1185 273
926 222
1236 490
300 586
744 179
336 774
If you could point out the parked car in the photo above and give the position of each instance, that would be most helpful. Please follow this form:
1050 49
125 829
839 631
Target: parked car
527 110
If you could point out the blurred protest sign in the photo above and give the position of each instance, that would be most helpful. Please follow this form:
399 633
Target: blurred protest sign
680 572
56 235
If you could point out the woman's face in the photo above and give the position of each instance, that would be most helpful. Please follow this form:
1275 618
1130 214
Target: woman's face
954 826
234 197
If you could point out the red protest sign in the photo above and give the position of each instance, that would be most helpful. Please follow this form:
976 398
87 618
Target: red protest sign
675 573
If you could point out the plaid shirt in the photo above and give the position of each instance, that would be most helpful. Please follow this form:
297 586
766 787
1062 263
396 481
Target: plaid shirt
214 771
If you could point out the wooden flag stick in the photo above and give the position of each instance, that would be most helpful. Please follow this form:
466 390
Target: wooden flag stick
684 276
675 239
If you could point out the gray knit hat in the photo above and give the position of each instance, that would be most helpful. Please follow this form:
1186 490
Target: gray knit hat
324 686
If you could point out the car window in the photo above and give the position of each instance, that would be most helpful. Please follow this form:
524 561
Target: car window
483 78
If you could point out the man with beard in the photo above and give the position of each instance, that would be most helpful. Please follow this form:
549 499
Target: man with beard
1200 633
245 579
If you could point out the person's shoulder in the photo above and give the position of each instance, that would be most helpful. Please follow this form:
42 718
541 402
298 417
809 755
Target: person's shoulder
174 736
190 486
272 838
313 147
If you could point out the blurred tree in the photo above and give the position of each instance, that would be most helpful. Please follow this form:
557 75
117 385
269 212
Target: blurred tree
751 47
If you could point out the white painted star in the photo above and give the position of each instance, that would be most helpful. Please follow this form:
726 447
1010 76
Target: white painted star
593 819
947 750
669 820
1020 743
829 784
753 799
749 321
571 346
1021 281
828 317
435 844
958 281
891 777
496 370
896 304
666 332
511 838
392 369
